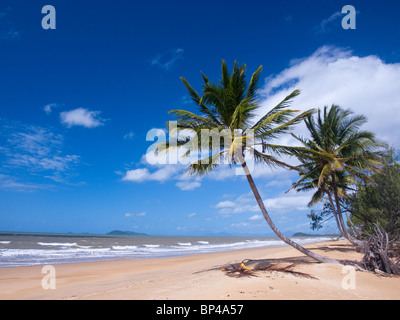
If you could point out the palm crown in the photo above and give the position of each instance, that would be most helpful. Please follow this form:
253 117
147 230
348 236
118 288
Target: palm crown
338 152
336 155
227 110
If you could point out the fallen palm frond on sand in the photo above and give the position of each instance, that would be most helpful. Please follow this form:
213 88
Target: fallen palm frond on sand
247 268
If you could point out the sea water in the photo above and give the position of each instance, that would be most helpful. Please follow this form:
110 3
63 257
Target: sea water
22 249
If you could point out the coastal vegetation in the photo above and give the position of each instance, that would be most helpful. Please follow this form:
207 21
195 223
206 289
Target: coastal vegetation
336 155
372 209
376 203
345 166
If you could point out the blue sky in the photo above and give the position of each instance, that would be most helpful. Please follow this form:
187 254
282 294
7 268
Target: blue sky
77 102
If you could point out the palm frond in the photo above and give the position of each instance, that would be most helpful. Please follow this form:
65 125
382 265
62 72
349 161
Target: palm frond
281 105
272 161
286 126
253 85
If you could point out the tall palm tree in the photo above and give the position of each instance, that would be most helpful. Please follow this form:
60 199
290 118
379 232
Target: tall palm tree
227 111
335 157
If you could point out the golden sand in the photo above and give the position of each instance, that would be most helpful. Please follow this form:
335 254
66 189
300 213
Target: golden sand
199 277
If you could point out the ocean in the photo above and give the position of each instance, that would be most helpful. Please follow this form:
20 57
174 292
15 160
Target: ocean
23 249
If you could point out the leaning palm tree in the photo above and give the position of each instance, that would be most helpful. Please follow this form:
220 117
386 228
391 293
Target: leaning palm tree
322 191
225 131
336 156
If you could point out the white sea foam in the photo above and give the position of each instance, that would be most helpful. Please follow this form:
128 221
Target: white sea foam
63 252
184 244
57 244
124 247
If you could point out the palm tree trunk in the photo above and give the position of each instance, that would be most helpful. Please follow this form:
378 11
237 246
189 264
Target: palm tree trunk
274 228
335 213
356 242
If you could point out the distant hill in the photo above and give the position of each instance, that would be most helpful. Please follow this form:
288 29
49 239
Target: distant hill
125 233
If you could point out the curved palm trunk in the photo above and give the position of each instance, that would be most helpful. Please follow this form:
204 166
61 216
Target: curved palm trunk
274 228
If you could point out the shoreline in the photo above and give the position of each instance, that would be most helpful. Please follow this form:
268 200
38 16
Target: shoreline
35 250
199 277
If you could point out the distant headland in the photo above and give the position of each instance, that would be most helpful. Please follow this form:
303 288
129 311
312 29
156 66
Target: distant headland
125 233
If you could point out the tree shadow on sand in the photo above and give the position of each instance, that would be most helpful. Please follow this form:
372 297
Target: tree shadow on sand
252 268
344 248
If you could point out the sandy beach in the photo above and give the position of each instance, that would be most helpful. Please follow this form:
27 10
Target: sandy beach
199 277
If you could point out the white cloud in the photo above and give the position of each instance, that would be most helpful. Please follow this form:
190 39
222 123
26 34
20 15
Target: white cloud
165 173
225 204
162 174
7 29
244 203
32 153
256 217
331 75
48 107
328 24
240 225
10 34
287 202
191 215
36 149
11 183
366 85
139 214
129 135
280 204
188 185
81 117
137 175
168 59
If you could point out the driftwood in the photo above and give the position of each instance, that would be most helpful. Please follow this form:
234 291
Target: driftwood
243 270
378 254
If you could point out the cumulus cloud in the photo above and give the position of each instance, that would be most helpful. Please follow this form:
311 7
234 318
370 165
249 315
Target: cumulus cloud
282 203
81 117
225 204
153 171
137 175
161 174
188 185
331 75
